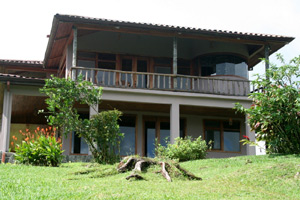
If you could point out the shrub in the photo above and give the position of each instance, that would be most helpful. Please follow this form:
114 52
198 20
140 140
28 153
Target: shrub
39 148
183 149
101 132
275 112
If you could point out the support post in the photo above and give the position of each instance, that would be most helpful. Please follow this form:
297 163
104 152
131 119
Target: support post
174 122
6 119
175 61
251 150
94 109
74 61
69 60
267 53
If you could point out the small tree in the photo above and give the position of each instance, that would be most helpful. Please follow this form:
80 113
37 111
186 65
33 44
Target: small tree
275 112
101 132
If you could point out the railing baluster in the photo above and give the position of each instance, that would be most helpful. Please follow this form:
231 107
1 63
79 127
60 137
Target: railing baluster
137 81
164 82
131 80
181 82
153 81
187 84
108 80
120 79
114 79
86 75
170 79
103 78
148 81
126 80
158 81
193 83
142 84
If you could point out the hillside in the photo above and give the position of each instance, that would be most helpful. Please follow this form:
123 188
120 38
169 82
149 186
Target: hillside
249 177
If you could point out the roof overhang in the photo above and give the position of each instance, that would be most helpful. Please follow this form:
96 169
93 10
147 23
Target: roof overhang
61 35
21 80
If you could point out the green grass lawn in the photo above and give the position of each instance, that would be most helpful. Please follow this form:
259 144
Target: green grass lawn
249 177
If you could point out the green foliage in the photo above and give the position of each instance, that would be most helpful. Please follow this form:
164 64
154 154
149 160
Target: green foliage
275 112
101 132
183 149
44 151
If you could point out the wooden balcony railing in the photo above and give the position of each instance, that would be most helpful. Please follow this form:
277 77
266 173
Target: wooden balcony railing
171 82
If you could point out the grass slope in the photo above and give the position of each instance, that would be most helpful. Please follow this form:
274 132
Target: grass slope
249 177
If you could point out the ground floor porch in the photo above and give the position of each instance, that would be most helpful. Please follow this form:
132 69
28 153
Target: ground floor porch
146 117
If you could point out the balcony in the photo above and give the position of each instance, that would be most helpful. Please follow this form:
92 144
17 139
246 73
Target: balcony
219 85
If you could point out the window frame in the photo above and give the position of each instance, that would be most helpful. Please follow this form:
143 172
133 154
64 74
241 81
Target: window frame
222 129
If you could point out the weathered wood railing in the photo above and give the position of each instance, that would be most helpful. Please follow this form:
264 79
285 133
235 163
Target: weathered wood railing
144 80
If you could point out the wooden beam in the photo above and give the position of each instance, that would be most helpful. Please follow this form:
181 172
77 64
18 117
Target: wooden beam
61 38
143 31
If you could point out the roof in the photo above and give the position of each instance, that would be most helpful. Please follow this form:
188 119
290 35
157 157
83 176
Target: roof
36 63
83 19
61 35
21 80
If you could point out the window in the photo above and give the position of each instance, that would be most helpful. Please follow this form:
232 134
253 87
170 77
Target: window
127 126
224 134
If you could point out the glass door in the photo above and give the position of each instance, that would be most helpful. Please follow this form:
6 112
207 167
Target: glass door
156 129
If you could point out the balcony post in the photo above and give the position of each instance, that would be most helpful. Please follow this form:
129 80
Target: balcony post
267 53
174 122
74 61
175 62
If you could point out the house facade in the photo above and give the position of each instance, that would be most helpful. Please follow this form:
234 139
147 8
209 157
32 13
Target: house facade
168 81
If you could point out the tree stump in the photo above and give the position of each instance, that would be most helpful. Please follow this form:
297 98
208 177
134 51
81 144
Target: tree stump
137 164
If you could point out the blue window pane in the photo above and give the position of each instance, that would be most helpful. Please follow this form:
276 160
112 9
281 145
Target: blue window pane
127 146
231 141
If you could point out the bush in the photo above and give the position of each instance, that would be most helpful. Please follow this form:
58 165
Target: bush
41 148
183 149
275 112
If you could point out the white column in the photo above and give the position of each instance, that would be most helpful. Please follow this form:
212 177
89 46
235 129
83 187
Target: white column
251 135
140 133
94 109
6 118
74 61
69 58
174 122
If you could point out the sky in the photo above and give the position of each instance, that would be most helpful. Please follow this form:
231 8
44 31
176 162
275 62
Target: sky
24 25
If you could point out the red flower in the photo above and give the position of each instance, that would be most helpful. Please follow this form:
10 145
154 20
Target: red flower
245 136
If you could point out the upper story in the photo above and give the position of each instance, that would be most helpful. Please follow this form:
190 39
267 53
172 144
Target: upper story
157 57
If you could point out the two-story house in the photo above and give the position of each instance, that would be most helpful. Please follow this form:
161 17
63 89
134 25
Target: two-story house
168 81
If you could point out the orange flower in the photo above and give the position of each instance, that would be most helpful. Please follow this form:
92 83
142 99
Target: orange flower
50 128
12 143
46 129
27 129
20 131
60 145
38 128
35 131
54 129
26 139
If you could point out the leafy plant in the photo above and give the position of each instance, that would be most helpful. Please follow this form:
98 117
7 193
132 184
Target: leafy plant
39 148
101 132
275 112
183 149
